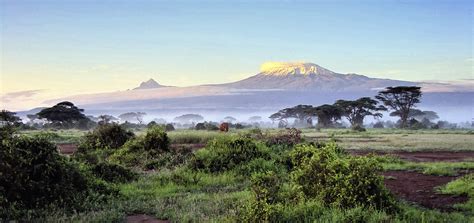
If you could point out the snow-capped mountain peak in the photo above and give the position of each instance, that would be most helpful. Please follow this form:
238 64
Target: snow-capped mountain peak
293 68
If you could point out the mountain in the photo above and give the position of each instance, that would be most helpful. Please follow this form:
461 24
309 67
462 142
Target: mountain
149 84
310 76
276 86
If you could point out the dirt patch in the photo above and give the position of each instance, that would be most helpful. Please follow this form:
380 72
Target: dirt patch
421 189
67 148
423 156
142 218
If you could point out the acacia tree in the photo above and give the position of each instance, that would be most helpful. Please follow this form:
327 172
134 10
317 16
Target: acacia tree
401 99
189 118
302 113
132 117
63 113
230 119
356 111
280 116
9 118
327 115
106 119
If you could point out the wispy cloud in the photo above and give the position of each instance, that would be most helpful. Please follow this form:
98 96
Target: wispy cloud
19 95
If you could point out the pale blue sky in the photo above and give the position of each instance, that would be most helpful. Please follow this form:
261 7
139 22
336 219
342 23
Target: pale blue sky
84 46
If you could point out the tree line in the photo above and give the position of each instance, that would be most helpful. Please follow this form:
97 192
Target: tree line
401 100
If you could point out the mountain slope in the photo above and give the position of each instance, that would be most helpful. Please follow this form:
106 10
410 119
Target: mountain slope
310 76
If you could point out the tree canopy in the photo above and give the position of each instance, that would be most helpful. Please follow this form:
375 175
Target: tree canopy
401 99
356 111
9 117
327 115
188 118
132 117
63 112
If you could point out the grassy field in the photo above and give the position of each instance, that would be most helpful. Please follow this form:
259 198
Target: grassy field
393 139
372 139
179 194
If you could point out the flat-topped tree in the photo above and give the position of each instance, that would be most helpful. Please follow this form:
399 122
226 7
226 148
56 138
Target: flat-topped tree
63 113
401 99
189 118
356 111
9 118
132 117
230 119
106 119
327 115
302 113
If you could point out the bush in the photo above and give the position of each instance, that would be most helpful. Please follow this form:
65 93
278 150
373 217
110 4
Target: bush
34 175
113 173
110 136
206 126
341 180
287 137
225 154
150 151
169 127
156 140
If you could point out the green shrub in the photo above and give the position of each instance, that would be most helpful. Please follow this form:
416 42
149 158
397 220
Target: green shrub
110 136
303 152
113 173
341 180
288 137
33 175
150 151
169 127
260 165
206 126
225 154
156 140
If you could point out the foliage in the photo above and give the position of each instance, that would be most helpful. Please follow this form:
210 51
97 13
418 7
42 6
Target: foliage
189 118
401 99
34 175
110 136
132 117
358 128
355 111
149 151
63 113
9 118
113 173
343 181
156 140
302 113
327 115
225 154
206 126
288 137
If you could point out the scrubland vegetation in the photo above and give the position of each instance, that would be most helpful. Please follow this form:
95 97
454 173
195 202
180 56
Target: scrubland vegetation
200 172
240 176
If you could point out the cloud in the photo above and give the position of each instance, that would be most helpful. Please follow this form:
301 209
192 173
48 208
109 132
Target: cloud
19 95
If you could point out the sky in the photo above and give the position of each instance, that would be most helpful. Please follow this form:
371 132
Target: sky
54 48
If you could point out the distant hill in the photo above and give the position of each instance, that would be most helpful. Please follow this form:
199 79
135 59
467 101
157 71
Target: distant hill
149 84
277 85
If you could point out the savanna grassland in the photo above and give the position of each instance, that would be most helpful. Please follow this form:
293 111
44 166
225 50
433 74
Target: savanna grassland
252 175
